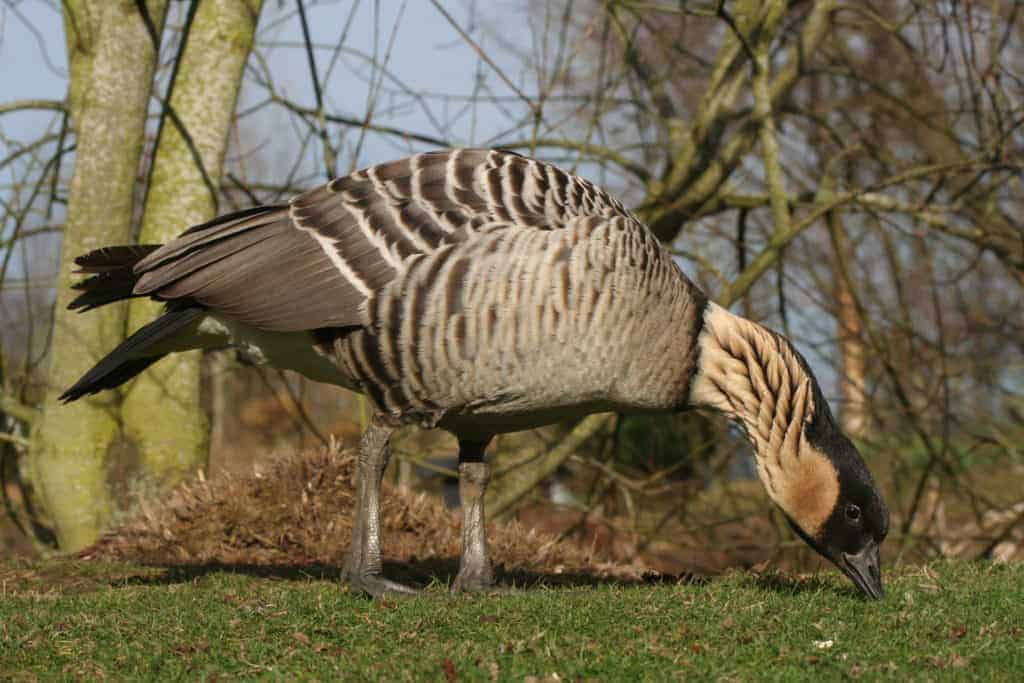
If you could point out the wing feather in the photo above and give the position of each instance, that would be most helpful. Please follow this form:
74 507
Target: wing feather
316 262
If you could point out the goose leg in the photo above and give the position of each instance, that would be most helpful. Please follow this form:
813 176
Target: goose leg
475 571
362 568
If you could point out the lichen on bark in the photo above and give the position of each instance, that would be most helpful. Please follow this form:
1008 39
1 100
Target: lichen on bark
162 412
112 59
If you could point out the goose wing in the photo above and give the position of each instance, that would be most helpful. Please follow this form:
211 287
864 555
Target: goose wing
315 261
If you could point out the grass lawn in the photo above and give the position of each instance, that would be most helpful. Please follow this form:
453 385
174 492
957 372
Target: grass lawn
90 620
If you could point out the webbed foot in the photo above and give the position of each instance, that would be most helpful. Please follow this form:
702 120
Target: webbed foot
375 585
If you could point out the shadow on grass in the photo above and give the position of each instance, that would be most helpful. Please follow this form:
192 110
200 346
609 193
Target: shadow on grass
418 574
788 584
75 576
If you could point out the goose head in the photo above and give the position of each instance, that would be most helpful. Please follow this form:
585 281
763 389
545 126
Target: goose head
809 468
833 504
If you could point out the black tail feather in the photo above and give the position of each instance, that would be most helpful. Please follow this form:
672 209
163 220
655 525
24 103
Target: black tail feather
114 258
103 289
113 275
130 357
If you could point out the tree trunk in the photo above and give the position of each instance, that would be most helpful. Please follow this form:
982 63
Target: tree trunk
112 59
162 413
852 353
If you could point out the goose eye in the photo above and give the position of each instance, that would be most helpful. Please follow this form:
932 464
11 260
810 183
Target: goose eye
852 513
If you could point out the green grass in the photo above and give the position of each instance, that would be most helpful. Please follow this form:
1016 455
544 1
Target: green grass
86 620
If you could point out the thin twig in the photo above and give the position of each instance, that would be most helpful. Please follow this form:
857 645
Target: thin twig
329 156
56 170
361 123
15 439
484 56
727 18
28 105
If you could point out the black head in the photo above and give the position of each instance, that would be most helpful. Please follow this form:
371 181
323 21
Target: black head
852 534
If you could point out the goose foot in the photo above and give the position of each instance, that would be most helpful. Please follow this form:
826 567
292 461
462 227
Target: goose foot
375 585
473 580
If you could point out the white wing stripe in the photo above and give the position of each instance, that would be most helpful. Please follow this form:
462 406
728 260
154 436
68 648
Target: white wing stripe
332 254
375 238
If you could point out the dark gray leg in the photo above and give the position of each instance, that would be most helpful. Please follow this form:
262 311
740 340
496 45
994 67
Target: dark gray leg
362 562
474 565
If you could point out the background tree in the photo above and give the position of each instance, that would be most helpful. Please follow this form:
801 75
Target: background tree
162 413
112 58
846 172
152 431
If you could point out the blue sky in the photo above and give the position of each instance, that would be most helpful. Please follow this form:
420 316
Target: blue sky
33 62
424 60
423 55
422 52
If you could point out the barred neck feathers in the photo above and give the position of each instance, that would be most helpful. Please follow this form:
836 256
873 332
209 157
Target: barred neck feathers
755 377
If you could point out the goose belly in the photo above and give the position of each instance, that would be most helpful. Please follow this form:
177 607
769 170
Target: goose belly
285 350
494 390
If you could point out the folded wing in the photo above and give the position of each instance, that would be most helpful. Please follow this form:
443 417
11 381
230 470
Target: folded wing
315 262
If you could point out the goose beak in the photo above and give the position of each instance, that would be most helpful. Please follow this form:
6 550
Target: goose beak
863 570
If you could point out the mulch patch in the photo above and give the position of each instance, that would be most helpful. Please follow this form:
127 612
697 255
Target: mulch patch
297 511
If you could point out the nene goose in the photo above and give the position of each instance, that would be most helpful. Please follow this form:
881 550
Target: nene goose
483 292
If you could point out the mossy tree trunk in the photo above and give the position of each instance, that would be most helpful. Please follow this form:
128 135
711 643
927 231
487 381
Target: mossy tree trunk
162 415
112 59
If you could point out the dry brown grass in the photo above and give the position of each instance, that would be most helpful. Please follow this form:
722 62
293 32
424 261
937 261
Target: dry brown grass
298 510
